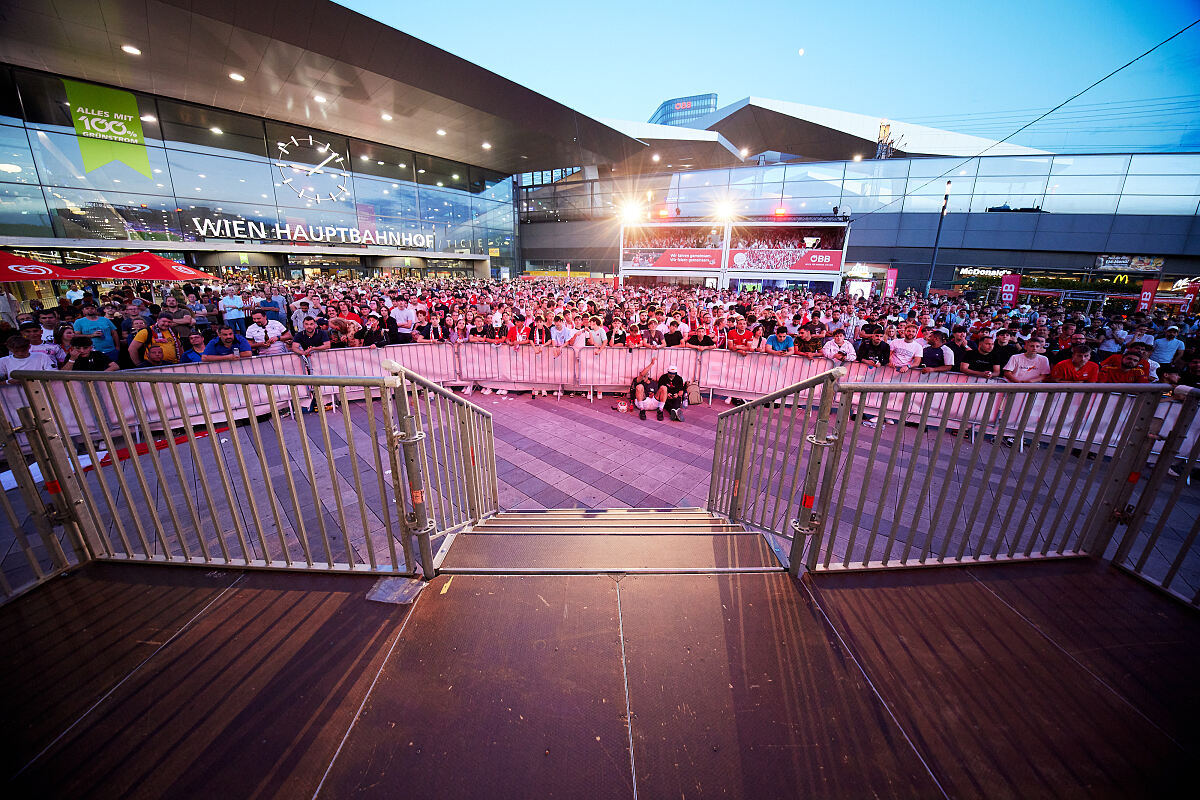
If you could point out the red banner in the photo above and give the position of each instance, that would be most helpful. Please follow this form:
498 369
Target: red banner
889 284
1010 285
764 259
1146 298
1189 297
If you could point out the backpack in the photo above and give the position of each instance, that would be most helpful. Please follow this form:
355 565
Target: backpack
694 397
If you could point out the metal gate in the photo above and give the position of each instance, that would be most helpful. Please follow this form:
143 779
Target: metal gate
319 473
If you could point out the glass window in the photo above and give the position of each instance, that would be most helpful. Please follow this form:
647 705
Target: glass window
494 184
44 98
1081 203
1085 184
1144 204
1014 165
10 105
952 168
1089 165
1162 164
207 130
432 171
60 163
217 178
936 187
16 160
982 202
1162 184
382 161
960 203
828 172
444 206
386 198
810 205
23 211
811 188
1017 184
756 175
84 214
319 219
877 168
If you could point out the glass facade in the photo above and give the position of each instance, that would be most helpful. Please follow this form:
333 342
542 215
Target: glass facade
682 110
203 174
1158 184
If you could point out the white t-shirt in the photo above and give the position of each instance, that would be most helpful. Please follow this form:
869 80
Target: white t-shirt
406 319
274 330
1026 369
10 364
906 354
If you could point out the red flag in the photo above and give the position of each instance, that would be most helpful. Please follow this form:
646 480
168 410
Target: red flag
889 284
1146 299
1010 286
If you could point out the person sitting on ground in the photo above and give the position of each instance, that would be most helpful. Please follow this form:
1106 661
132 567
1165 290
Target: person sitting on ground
227 346
643 392
20 357
82 356
1079 368
671 393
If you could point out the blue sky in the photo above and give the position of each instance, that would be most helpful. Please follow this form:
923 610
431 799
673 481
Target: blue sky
981 68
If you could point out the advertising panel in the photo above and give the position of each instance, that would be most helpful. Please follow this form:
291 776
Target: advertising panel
786 247
889 285
1146 298
692 246
1113 263
1010 285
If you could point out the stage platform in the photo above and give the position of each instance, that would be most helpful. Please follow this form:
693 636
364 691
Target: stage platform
1054 679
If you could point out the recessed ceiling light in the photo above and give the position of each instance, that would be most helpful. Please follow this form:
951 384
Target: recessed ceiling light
147 118
858 157
380 163
318 98
237 76
488 146
386 117
454 177
133 51
439 183
745 152
655 158
217 131
441 132
402 166
420 172
364 158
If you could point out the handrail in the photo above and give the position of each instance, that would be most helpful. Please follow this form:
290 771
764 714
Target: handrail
398 369
807 383
142 376
1006 388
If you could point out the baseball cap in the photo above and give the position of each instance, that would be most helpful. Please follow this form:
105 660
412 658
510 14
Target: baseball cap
672 368
1173 328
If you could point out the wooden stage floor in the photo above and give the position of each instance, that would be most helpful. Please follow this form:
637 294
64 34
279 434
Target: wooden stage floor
1052 679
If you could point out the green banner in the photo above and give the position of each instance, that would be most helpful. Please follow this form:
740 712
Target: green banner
107 124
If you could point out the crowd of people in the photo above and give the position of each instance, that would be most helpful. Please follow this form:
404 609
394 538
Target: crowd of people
148 326
652 238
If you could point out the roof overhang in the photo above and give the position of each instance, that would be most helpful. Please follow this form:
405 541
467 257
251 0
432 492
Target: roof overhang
290 52
675 147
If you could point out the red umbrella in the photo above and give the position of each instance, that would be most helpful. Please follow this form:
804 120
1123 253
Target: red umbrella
142 267
17 268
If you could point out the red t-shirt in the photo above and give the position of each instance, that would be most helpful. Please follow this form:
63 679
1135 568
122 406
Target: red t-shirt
516 334
1065 372
1112 372
739 339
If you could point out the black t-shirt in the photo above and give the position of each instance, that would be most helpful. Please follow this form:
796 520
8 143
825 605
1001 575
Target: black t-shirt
981 362
368 338
961 351
699 340
305 341
94 361
618 337
672 381
673 338
869 351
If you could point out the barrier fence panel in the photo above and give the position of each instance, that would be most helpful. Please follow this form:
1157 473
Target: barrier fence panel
1161 543
924 474
768 455
451 440
183 478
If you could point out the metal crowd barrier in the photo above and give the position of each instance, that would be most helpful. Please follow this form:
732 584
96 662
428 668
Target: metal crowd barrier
244 470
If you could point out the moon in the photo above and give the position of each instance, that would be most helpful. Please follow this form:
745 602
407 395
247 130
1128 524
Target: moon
801 52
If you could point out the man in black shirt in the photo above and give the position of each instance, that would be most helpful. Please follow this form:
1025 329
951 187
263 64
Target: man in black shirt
958 344
671 390
1005 348
81 356
700 340
673 337
874 351
982 362
310 339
